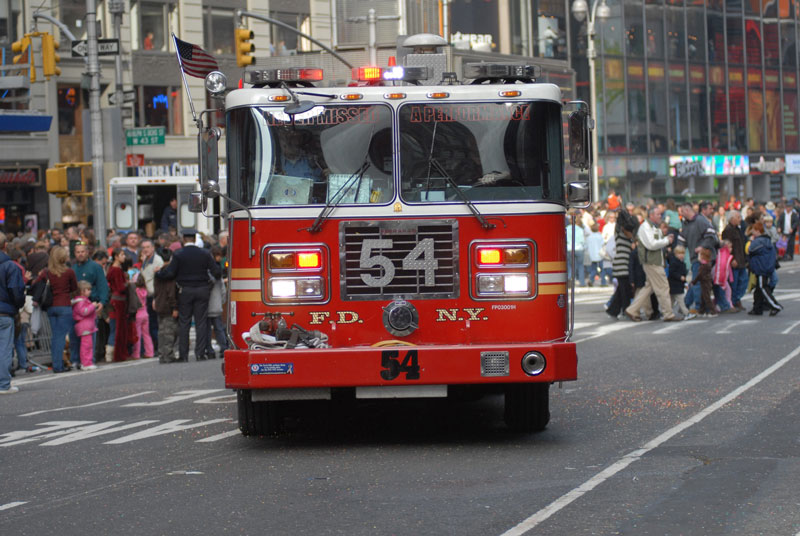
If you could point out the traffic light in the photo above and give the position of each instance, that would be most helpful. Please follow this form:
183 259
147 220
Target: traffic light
49 56
244 48
69 178
24 51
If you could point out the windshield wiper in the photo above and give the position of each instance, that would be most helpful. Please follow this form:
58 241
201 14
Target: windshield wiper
336 198
440 169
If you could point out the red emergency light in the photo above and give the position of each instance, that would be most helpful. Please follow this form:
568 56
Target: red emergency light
366 74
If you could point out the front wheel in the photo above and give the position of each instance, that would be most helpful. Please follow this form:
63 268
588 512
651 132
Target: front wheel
257 418
527 406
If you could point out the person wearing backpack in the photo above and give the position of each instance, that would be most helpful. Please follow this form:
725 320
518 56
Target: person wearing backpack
12 298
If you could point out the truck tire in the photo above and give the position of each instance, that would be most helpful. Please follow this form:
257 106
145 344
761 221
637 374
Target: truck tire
256 418
527 406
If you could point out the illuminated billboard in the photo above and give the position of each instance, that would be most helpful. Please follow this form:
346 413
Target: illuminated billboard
709 165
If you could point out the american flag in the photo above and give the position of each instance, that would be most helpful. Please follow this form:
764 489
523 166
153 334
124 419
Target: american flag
194 60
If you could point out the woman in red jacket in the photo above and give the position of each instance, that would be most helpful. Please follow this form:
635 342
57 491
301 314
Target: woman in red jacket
64 285
118 318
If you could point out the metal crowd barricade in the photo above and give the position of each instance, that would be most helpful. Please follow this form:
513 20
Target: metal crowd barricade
39 344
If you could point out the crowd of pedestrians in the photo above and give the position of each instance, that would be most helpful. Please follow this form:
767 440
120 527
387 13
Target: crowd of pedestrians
677 261
134 299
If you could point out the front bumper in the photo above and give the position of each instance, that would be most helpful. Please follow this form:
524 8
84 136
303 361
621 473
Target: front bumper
395 365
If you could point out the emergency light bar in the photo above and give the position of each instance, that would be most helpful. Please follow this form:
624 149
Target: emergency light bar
501 70
292 74
375 74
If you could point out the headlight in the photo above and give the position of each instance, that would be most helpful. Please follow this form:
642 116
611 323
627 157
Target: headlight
216 83
504 285
295 288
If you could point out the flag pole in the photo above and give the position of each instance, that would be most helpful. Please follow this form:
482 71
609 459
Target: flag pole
185 83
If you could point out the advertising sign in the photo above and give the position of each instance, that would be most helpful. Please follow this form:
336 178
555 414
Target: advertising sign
710 165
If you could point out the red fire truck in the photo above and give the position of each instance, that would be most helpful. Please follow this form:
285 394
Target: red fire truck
399 237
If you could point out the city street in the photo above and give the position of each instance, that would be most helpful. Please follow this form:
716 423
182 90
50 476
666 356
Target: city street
672 428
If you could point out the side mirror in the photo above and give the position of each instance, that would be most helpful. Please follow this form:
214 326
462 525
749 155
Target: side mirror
579 194
580 141
207 142
196 202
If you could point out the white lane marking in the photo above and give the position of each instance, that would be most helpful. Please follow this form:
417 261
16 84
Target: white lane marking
607 329
54 429
790 328
784 296
166 428
581 325
676 326
93 430
221 399
14 504
76 374
635 455
219 437
86 405
177 397
734 326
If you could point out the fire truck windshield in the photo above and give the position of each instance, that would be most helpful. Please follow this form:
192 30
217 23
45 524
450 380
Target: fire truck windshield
311 158
492 151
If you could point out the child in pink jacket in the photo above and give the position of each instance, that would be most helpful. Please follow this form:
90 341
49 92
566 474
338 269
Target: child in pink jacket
142 323
84 313
723 274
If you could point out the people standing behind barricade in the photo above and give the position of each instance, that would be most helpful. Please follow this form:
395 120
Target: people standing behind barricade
676 275
101 335
576 271
165 304
63 285
151 262
763 257
650 245
12 298
215 302
37 260
788 223
88 270
84 314
117 279
190 267
142 321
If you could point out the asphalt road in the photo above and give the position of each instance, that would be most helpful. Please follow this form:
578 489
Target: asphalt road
673 428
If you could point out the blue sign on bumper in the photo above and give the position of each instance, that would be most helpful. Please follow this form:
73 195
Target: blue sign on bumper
272 368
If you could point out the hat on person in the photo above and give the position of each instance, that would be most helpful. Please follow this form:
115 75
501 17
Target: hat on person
189 232
770 205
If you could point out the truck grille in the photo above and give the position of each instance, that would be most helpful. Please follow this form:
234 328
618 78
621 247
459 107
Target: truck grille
422 253
494 364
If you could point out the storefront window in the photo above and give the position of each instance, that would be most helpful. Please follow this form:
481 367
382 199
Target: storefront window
218 31
634 32
152 108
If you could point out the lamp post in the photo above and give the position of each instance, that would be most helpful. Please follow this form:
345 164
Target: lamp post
580 10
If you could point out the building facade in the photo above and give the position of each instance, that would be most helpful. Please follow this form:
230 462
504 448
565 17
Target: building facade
695 97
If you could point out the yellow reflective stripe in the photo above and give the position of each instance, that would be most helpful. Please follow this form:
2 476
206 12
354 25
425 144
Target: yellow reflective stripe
555 266
246 296
552 289
247 273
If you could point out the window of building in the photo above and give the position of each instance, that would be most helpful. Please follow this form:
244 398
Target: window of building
637 108
736 109
658 107
676 37
611 29
772 101
696 34
790 117
73 14
678 109
218 31
159 106
153 24
716 38
9 21
655 31
772 52
285 42
755 111
551 30
718 103
753 38
634 31
614 106
735 37
698 108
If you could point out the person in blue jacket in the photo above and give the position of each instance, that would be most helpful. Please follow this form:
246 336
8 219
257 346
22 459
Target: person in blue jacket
763 257
12 298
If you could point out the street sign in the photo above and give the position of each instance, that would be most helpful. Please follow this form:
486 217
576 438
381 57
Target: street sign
127 96
145 136
105 47
134 160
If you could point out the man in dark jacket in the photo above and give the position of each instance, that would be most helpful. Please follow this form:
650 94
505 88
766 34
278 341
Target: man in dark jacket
733 234
12 298
762 263
190 267
787 225
87 270
698 232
